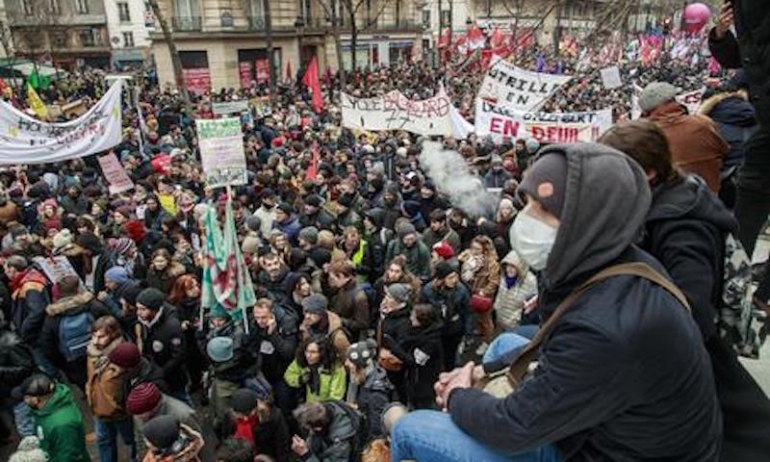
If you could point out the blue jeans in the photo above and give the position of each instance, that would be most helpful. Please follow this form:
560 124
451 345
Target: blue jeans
428 436
107 438
22 417
504 344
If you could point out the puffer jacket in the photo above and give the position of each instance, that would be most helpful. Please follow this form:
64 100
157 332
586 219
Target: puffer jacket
55 312
736 120
104 389
510 299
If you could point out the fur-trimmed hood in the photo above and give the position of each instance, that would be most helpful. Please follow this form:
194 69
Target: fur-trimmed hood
67 304
709 104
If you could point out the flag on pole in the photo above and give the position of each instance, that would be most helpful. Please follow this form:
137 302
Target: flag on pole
36 104
312 80
312 169
288 72
226 280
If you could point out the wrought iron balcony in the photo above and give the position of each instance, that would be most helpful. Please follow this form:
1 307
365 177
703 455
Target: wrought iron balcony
187 23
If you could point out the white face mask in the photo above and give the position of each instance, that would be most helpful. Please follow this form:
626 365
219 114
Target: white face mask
533 240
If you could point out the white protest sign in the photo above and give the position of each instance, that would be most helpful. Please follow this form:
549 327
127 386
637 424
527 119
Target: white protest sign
611 78
221 147
25 140
506 85
394 111
118 180
544 127
230 107
55 268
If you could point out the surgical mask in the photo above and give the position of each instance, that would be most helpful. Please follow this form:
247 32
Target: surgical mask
533 240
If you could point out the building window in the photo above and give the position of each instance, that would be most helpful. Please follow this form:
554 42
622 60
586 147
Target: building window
81 6
123 12
426 18
53 7
186 8
446 20
59 39
26 7
87 38
128 39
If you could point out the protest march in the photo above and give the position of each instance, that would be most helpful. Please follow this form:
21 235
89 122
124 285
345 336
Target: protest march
517 252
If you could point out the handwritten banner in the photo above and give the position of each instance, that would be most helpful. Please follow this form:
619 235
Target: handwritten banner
116 176
230 107
508 86
26 140
222 155
545 127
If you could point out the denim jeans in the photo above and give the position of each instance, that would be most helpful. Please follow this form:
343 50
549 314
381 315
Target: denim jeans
22 417
107 438
431 436
503 345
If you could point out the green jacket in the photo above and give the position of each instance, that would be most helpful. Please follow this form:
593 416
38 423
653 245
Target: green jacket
332 384
60 428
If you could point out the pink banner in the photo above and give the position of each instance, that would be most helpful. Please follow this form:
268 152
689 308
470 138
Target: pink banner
197 80
116 176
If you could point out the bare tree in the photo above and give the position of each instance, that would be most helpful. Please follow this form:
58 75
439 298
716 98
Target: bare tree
176 63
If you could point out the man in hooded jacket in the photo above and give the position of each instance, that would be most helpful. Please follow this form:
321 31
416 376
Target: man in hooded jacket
622 375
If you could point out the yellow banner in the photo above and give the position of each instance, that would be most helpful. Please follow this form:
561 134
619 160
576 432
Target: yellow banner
37 105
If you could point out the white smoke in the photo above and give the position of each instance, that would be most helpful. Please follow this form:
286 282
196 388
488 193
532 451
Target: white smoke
451 175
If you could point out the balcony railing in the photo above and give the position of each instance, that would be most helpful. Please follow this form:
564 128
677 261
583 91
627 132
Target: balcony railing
187 23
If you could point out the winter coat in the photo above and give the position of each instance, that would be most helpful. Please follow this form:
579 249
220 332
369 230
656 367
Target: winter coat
509 303
29 300
424 362
338 444
104 389
16 362
77 206
372 397
377 242
290 228
452 306
271 436
64 307
190 452
165 280
242 365
736 120
266 217
276 289
496 179
334 332
485 280
431 238
162 342
417 257
276 350
392 332
60 427
696 146
352 306
332 384
751 51
623 374
323 219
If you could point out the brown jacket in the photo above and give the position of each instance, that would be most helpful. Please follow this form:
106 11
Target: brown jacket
104 389
353 306
696 146
337 336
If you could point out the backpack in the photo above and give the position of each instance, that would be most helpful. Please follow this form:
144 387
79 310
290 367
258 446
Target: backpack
737 320
356 443
75 334
371 299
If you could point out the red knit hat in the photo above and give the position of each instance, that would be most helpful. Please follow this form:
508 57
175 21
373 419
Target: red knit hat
125 355
135 230
143 398
444 250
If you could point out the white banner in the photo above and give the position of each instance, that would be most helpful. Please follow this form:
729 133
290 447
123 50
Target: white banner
545 127
222 156
611 78
508 86
26 140
394 111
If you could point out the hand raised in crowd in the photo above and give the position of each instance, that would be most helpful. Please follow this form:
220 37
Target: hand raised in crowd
725 21
299 446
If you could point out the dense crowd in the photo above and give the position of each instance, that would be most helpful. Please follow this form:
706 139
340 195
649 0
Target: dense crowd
373 287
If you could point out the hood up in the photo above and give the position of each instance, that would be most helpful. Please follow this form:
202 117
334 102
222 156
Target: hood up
605 204
690 198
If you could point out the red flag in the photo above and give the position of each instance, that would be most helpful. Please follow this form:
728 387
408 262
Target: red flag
288 71
312 169
312 80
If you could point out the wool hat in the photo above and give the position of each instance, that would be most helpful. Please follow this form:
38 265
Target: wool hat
315 304
360 353
346 200
162 431
125 355
34 385
244 400
404 229
443 269
444 250
309 235
286 208
135 230
656 94
116 274
131 293
320 256
62 239
313 200
218 311
143 398
124 245
220 349
399 292
546 182
151 298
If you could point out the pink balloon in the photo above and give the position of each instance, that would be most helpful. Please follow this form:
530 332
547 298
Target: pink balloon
696 15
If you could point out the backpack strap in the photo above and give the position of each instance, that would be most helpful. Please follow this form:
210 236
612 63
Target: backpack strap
521 364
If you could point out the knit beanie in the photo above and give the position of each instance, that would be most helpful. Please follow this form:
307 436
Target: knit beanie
313 200
309 235
546 182
162 431
131 293
315 304
143 398
656 94
399 292
443 269
345 200
151 298
220 349
244 400
360 353
116 274
404 229
126 355
444 250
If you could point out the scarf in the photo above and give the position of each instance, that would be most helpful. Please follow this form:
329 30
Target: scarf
244 428
314 379
510 282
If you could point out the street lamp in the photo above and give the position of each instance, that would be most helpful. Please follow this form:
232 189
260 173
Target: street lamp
299 24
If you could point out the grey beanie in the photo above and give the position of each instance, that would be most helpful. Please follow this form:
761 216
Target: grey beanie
162 431
315 304
309 235
361 353
656 94
546 182
399 292
404 229
220 349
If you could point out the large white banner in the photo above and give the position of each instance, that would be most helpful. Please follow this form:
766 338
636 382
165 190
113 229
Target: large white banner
222 156
394 111
511 87
492 120
26 140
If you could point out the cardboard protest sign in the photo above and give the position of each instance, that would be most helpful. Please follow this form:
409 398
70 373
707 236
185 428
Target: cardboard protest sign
545 127
508 86
611 78
221 148
117 179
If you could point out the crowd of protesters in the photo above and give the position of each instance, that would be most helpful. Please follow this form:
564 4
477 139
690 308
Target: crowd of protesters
374 290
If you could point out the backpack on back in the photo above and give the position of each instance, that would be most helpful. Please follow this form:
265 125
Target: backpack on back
738 324
371 298
75 334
